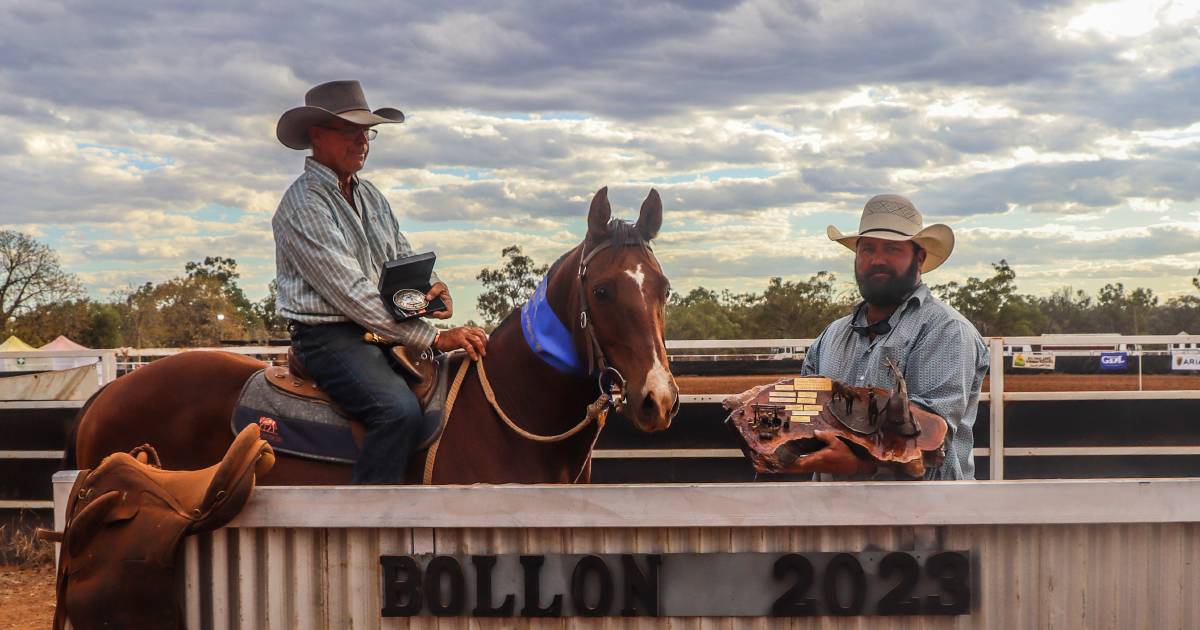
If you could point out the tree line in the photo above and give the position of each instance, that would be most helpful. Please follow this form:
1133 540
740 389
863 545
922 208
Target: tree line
205 306
802 308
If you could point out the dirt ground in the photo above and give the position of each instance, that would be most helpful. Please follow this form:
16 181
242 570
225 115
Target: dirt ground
26 597
1012 382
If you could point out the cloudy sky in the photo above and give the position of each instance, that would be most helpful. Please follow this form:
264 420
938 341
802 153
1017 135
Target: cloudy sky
1061 136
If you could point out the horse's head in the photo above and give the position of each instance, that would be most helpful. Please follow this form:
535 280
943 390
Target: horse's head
625 296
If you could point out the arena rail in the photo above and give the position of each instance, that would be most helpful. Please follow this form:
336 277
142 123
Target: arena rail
112 362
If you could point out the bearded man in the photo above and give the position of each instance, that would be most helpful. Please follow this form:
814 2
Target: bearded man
941 354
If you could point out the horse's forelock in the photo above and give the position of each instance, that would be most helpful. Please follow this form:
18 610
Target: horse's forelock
622 232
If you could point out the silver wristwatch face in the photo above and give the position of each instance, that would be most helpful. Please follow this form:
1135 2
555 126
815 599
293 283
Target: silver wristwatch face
409 300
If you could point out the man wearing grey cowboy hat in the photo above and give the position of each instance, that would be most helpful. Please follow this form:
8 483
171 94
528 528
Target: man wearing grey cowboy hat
940 353
333 232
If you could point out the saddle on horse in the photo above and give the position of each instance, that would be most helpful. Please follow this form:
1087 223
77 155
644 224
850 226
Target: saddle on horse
778 423
125 521
298 418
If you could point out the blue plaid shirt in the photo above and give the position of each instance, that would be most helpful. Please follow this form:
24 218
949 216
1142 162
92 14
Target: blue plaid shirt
943 359
328 256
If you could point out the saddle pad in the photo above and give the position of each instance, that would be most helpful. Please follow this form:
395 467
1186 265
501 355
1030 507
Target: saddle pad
294 425
306 427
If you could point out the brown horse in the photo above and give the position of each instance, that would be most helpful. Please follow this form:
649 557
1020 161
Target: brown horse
609 291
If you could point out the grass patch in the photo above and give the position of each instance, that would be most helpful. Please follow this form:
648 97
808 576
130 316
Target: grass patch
20 547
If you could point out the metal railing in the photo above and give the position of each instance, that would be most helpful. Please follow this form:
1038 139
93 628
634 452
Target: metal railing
112 362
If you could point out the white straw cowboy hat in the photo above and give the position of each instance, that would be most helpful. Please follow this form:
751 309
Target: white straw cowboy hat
336 99
894 218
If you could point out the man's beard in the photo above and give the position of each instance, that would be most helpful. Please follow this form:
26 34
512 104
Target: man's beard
889 292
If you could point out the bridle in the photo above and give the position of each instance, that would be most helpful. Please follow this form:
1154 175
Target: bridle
609 379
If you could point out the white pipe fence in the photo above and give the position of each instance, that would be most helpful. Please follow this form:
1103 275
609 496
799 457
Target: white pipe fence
111 362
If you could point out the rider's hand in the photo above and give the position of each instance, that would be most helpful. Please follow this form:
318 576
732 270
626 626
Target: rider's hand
436 290
836 458
469 338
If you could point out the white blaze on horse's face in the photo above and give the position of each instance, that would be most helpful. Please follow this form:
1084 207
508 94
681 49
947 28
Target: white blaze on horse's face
639 277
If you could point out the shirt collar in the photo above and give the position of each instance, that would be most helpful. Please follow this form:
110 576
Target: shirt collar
324 174
918 295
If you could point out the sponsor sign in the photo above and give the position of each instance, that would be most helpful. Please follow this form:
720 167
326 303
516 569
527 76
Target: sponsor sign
1185 360
1114 361
1033 360
679 584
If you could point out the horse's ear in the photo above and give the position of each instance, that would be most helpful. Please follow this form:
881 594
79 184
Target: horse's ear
599 215
650 218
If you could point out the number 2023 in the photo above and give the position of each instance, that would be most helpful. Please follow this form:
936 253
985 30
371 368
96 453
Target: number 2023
949 570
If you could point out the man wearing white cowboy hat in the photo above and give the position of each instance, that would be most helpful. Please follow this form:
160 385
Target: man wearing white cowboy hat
940 353
333 232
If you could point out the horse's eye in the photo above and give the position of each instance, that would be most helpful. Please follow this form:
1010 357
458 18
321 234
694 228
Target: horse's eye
667 293
601 292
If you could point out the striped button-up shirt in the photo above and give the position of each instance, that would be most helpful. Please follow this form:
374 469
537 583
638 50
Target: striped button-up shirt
941 355
328 256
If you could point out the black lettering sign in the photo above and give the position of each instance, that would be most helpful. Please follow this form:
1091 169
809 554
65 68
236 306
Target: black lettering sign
484 566
793 602
533 590
401 586
641 590
592 568
899 600
443 604
749 584
845 566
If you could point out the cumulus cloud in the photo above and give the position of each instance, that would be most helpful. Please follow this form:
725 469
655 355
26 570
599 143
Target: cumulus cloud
137 137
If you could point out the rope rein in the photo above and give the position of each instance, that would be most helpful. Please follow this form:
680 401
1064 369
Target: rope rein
597 412
588 417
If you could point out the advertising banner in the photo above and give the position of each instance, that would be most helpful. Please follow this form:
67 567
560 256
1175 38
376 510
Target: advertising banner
1185 360
1033 360
1114 361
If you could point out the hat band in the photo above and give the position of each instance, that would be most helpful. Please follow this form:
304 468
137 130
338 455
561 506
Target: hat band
884 230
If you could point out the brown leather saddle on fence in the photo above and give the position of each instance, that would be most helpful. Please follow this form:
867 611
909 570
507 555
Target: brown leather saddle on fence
778 423
125 521
300 419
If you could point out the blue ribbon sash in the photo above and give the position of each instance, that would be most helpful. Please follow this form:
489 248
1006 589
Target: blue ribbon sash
546 335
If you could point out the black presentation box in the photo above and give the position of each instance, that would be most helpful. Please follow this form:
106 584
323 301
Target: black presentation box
409 272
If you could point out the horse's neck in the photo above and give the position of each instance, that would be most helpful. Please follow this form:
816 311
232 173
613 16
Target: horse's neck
535 395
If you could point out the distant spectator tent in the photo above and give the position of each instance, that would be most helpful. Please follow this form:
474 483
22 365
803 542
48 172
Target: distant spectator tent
62 363
17 364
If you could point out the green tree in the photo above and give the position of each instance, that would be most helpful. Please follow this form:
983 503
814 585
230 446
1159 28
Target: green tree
1122 312
93 324
195 310
800 308
30 275
225 272
703 314
265 312
993 304
508 287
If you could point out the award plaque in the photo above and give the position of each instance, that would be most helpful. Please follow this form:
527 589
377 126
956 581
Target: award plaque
403 284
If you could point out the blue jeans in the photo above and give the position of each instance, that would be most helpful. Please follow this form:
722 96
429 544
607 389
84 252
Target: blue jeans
358 377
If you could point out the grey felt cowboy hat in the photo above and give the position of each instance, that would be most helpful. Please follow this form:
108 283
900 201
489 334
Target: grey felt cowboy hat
336 99
894 218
